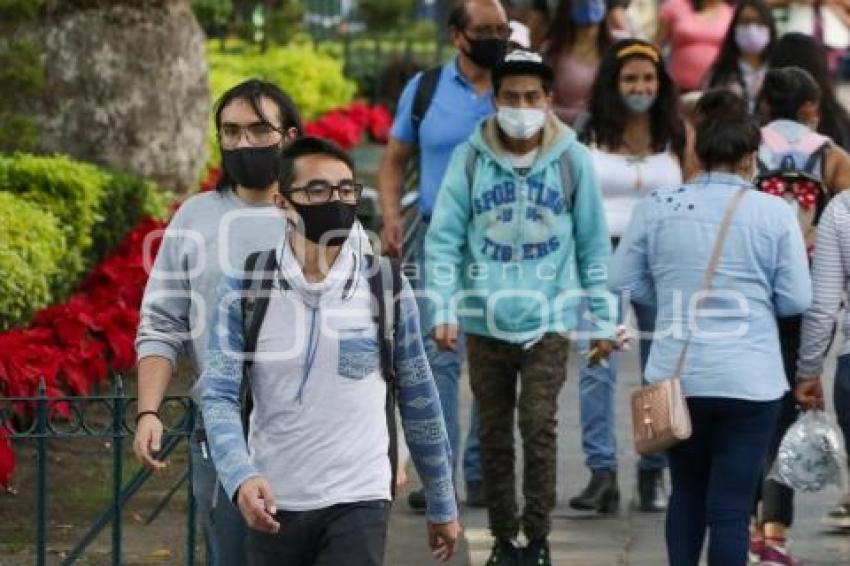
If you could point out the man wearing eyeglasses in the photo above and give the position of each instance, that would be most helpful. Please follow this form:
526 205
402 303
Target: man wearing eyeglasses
461 97
210 235
313 478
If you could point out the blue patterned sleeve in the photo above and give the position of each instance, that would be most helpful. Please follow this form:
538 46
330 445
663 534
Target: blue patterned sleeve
421 415
219 390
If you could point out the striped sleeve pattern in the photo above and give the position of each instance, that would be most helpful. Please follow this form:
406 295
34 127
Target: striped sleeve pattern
830 280
421 414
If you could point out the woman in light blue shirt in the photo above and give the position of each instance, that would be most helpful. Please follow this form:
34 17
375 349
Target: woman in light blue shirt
733 376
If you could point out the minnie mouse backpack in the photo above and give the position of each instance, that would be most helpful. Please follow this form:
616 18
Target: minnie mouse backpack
790 166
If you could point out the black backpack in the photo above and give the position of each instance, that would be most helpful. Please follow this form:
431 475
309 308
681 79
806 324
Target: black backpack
385 287
424 96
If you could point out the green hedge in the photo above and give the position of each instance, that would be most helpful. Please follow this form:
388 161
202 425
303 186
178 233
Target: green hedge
31 249
68 189
92 208
126 199
314 80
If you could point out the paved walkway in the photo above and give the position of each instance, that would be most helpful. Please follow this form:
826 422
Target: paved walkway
629 538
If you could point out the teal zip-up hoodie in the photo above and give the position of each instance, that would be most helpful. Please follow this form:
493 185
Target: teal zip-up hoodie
510 258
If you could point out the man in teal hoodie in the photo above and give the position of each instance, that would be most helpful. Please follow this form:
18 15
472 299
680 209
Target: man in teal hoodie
517 238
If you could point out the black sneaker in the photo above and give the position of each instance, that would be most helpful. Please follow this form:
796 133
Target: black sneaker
475 494
505 552
536 553
417 501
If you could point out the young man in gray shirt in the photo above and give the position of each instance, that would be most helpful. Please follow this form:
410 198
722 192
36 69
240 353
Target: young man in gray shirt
210 236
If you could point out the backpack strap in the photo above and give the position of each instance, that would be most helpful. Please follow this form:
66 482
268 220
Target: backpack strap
567 184
385 287
469 166
424 95
257 287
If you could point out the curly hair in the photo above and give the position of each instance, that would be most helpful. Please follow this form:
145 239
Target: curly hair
608 112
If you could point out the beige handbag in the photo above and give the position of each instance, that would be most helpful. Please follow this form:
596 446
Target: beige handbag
660 417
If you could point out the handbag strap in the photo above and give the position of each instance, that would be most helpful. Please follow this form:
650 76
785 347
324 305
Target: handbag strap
708 276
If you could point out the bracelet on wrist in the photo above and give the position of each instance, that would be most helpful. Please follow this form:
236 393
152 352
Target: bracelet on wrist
141 414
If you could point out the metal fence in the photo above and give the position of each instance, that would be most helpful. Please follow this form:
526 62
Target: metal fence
58 418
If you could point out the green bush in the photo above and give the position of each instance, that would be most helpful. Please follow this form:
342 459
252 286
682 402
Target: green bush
315 81
126 199
32 247
68 189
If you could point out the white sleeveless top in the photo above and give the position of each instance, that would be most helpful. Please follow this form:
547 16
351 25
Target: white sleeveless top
624 180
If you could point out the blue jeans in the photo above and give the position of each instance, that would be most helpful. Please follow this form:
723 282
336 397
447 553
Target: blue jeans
223 526
841 398
597 387
446 366
715 474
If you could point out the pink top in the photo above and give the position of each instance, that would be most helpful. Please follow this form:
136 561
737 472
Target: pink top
573 81
694 40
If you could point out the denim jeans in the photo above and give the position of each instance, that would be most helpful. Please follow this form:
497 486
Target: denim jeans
841 398
446 368
222 523
597 389
715 474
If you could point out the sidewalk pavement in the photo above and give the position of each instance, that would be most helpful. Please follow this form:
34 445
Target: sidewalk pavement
630 538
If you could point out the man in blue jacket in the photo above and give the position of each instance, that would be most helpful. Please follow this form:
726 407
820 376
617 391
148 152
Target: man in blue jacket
517 238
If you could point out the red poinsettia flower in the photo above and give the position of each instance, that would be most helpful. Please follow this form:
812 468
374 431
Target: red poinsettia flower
26 357
212 179
359 113
380 123
7 456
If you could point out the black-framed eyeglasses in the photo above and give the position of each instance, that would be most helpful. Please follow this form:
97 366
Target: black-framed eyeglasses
319 191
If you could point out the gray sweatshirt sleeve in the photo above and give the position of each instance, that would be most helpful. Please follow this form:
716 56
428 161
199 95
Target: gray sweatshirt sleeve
164 317
830 274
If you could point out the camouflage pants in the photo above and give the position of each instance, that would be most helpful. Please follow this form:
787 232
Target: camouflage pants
495 369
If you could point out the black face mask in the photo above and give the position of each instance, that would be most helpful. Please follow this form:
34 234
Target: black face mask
333 217
251 167
486 53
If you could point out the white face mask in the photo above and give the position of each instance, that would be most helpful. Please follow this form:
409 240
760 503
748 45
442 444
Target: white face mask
520 123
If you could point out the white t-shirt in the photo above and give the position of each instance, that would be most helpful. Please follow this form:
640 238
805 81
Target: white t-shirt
320 436
624 180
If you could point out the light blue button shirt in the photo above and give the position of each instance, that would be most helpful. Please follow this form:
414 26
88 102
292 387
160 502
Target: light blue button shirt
454 111
763 273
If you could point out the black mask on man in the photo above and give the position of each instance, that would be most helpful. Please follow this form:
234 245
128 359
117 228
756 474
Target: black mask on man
251 167
486 53
334 217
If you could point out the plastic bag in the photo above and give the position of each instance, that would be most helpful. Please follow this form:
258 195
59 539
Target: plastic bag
810 456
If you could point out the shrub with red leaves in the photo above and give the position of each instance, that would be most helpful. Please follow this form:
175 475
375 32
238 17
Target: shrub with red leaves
73 346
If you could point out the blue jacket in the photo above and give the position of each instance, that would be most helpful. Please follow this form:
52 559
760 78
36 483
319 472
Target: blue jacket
511 257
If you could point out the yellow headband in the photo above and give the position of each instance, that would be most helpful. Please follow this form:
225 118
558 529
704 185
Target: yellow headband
639 49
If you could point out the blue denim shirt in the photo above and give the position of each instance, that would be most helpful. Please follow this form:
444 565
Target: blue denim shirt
763 273
454 111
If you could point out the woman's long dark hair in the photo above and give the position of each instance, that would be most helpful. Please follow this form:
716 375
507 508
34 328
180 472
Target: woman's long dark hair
799 50
726 68
608 112
562 33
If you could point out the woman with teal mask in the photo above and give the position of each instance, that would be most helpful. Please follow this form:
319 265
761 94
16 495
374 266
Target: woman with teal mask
637 142
577 38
